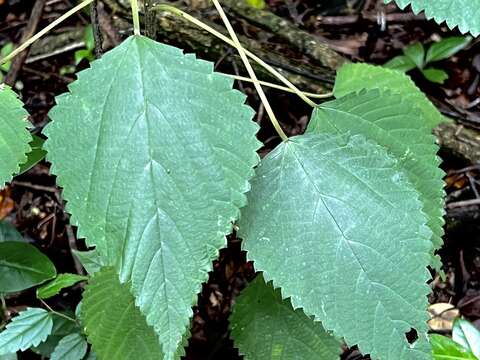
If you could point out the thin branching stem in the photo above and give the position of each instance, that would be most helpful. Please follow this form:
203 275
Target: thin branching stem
251 72
283 79
278 87
42 32
135 16
57 313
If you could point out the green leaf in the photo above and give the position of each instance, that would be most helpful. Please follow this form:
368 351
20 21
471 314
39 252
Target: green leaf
401 63
467 335
71 347
9 357
462 13
257 4
265 327
4 51
393 124
416 53
435 75
36 154
14 136
91 260
61 328
83 54
164 167
114 325
22 266
356 77
28 329
447 47
60 282
9 233
88 38
316 225
444 348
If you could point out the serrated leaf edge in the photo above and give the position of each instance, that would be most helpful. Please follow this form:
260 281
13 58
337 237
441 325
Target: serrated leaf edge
255 159
268 278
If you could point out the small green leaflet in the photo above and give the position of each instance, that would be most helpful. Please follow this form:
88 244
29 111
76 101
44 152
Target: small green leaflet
165 167
91 260
416 53
447 47
22 266
444 348
9 233
114 325
29 328
357 77
265 327
71 347
401 63
467 335
435 75
60 282
14 137
462 13
326 216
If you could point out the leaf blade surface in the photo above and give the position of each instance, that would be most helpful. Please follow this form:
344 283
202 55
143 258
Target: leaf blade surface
166 167
317 225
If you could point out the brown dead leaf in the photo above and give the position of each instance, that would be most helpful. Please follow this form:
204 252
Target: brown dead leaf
6 202
442 316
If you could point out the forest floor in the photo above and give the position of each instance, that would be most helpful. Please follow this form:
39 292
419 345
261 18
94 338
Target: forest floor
362 31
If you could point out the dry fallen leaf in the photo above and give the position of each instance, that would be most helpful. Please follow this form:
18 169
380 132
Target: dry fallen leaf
442 316
6 203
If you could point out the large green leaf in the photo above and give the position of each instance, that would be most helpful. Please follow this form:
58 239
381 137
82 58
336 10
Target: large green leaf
392 123
335 223
14 136
155 174
114 325
444 348
266 327
22 266
462 13
71 347
356 77
29 328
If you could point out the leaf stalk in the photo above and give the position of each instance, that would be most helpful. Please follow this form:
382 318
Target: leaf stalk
135 17
251 72
202 25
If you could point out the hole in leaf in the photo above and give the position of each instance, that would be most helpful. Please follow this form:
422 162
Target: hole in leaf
411 336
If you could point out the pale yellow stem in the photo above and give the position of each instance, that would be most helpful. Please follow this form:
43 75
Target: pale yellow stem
135 16
251 72
225 39
278 87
